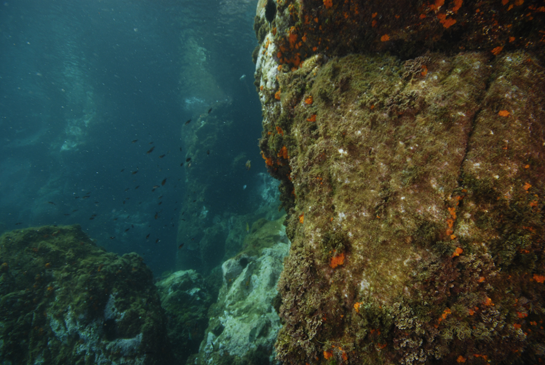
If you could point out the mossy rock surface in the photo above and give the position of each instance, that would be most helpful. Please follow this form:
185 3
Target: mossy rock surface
66 301
415 196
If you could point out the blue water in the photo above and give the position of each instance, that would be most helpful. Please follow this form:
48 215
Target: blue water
88 87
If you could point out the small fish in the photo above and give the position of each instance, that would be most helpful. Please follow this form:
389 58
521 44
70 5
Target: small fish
75 210
156 215
209 110
18 223
148 235
127 230
188 159
85 197
186 123
134 140
182 164
162 156
151 142
180 149
160 203
182 245
208 152
116 219
163 182
91 218
248 164
137 186
150 150
122 170
66 214
247 227
134 172
160 196
127 189
157 240
112 237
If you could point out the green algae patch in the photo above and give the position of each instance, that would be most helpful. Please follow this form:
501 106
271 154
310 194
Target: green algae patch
65 300
414 199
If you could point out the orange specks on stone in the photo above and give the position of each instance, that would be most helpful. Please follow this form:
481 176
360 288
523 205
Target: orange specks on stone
344 356
312 118
539 278
447 22
308 100
461 359
385 38
374 15
457 252
424 70
261 88
496 51
283 152
457 5
328 355
522 314
302 218
519 2
337 260
277 95
328 3
481 279
504 2
381 346
527 186
279 130
357 306
268 160
511 39
471 312
516 325
422 16
446 312
503 113
452 236
488 302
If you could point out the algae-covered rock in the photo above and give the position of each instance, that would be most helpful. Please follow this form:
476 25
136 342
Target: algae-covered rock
186 300
66 301
244 322
414 189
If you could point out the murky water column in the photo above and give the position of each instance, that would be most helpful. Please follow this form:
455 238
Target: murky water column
409 141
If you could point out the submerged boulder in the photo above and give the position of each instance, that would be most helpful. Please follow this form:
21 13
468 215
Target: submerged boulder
66 301
244 323
186 300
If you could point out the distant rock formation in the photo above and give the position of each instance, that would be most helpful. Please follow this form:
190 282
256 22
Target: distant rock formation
244 322
63 300
409 143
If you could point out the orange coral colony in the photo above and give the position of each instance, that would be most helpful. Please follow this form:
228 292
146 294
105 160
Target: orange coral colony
337 260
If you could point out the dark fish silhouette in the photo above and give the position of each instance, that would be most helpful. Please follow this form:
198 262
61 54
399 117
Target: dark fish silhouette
122 170
18 223
189 121
188 159
156 215
112 237
182 164
137 186
182 245
151 150
163 182
209 110
180 149
160 203
127 229
52 203
208 152
134 172
127 189
162 156
148 235
157 240
134 140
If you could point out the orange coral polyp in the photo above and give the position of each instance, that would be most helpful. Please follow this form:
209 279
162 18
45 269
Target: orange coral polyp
308 100
283 153
328 3
337 260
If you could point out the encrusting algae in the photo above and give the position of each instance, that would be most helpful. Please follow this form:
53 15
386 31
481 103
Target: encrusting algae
421 181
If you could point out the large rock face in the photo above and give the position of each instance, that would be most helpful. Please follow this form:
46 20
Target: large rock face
414 189
66 301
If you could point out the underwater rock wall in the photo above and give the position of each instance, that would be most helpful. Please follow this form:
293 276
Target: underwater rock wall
413 179
66 301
